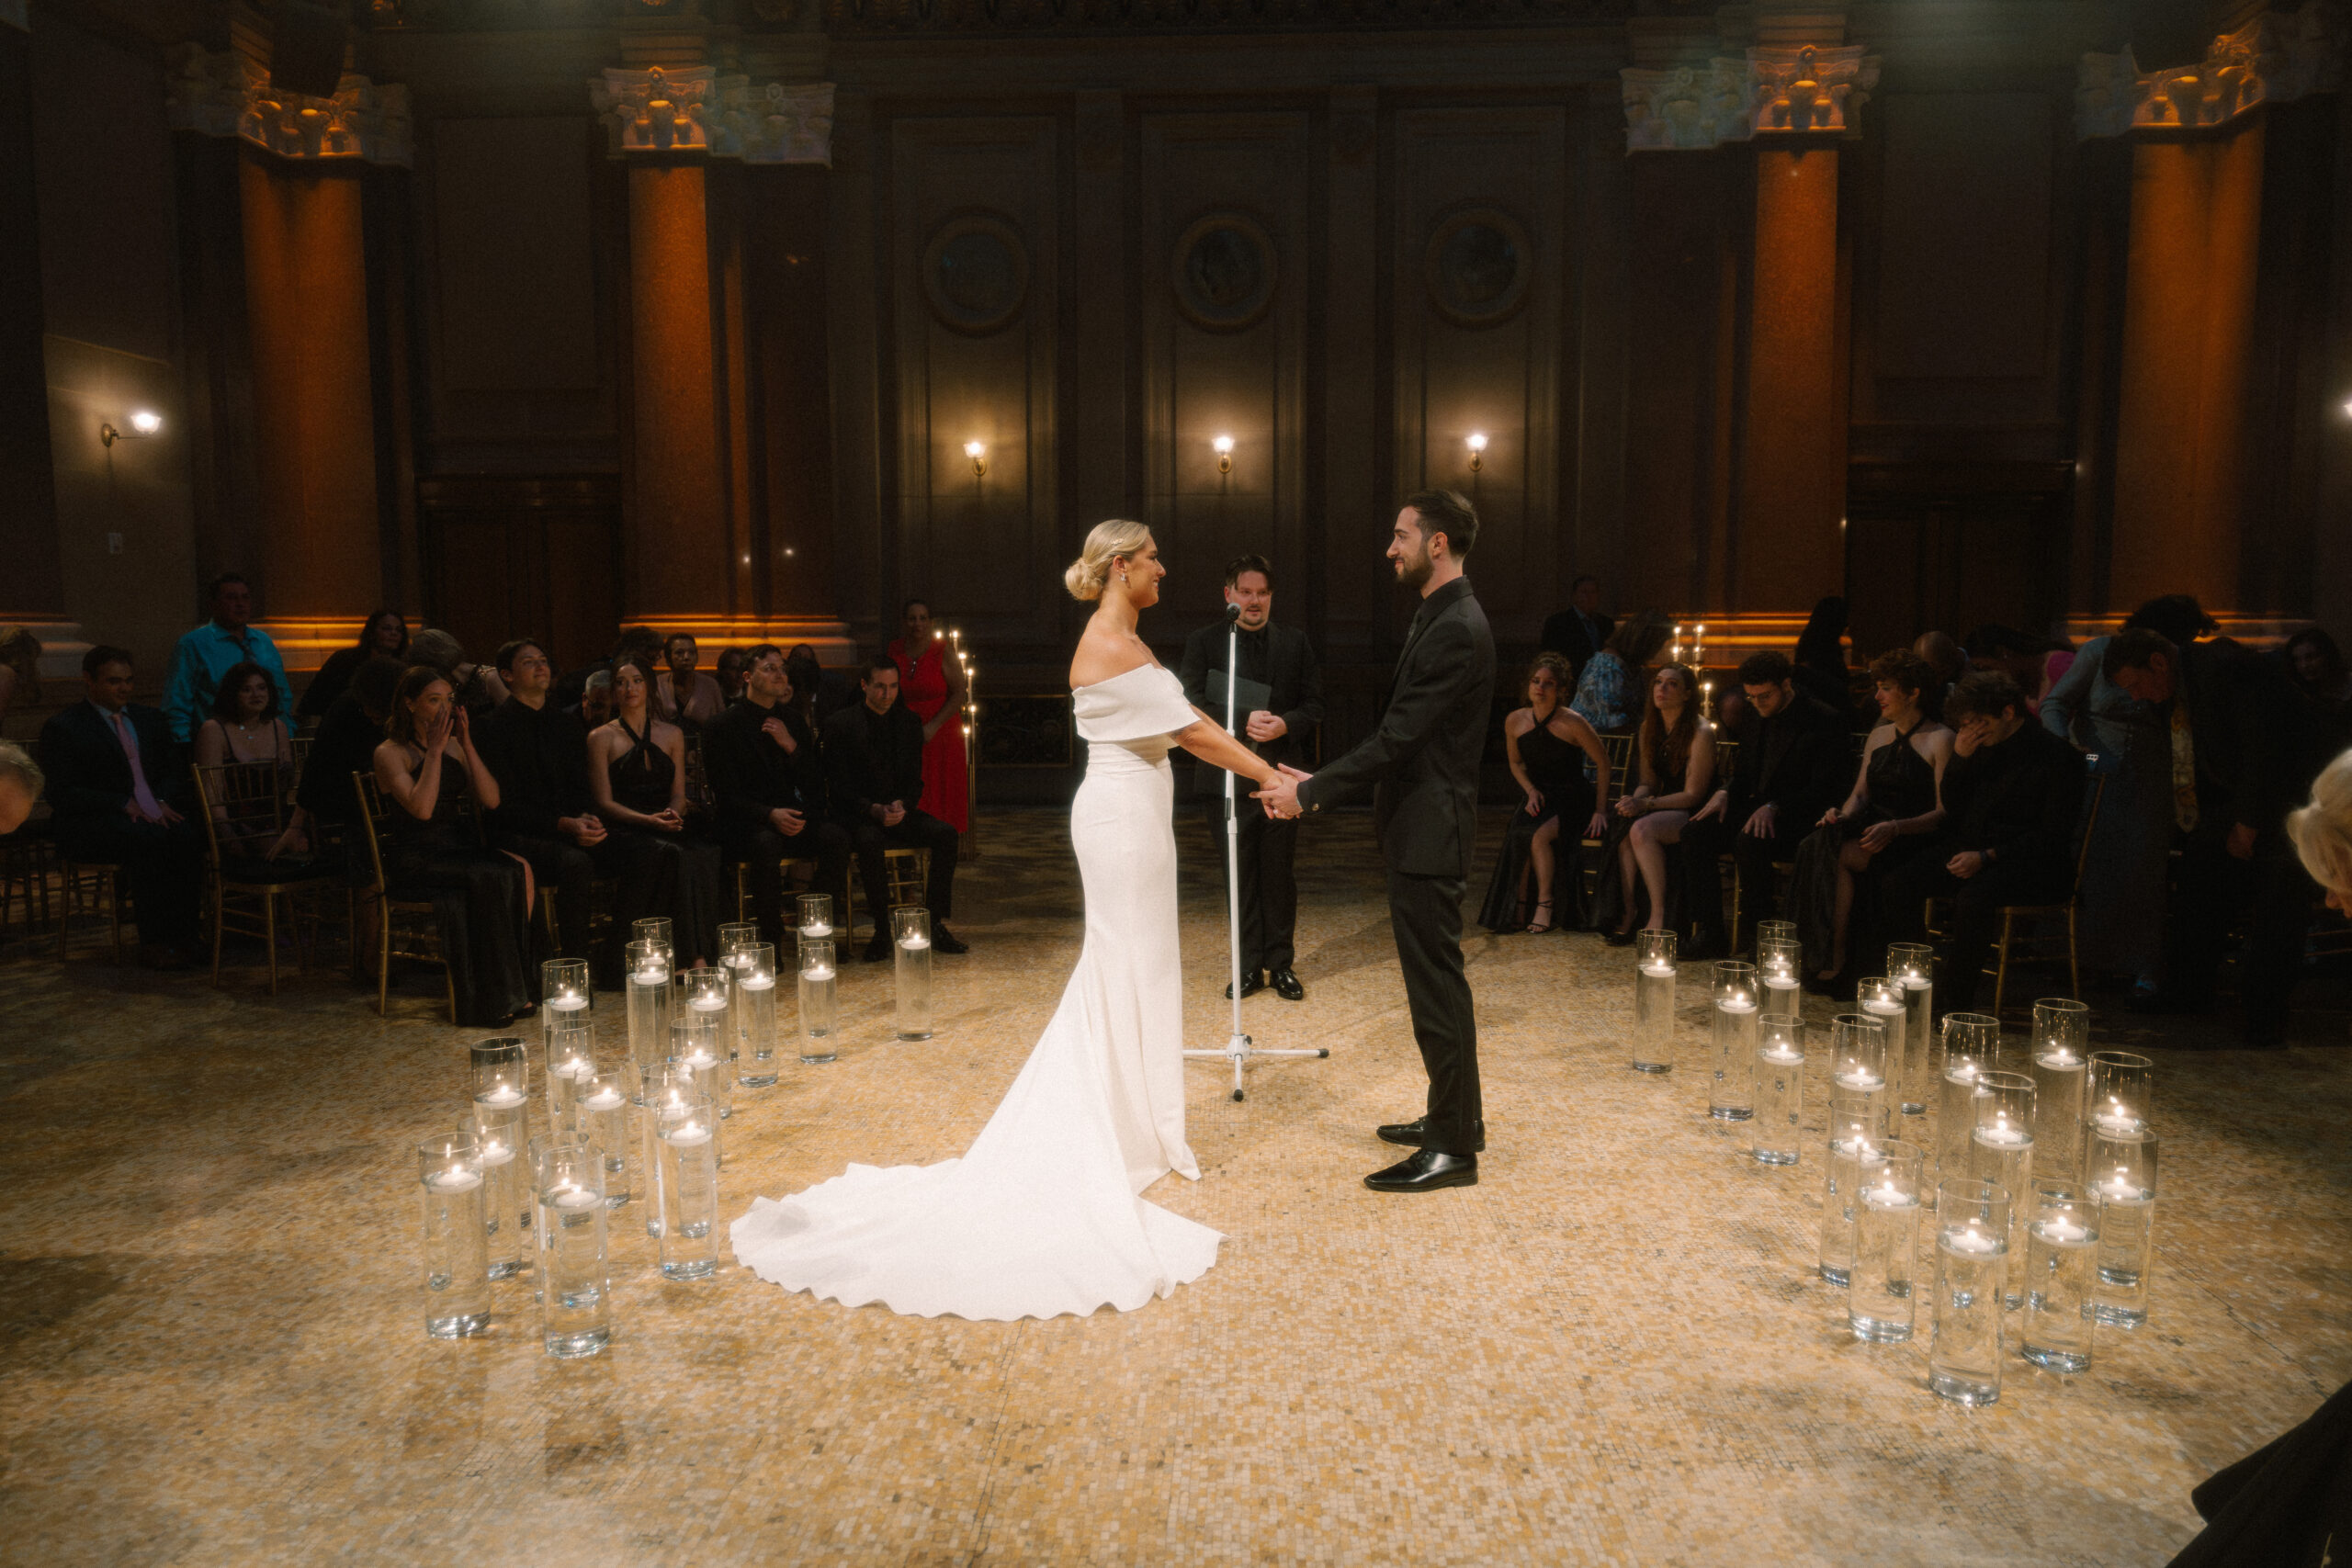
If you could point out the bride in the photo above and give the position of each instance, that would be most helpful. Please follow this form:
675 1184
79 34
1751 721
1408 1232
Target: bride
1042 1215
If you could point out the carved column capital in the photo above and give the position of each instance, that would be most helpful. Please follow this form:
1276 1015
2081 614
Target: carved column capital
225 94
2278 58
696 109
1772 92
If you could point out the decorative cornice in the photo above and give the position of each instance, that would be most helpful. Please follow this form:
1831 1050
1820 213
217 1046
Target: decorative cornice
1130 17
696 109
225 94
1769 93
2278 58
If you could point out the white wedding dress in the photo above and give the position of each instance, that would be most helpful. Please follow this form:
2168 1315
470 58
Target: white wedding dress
1042 1214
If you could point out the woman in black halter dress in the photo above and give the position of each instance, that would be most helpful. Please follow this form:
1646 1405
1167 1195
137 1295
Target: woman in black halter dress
1549 744
637 773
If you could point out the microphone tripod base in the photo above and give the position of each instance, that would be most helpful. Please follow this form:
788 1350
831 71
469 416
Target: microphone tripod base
1239 1051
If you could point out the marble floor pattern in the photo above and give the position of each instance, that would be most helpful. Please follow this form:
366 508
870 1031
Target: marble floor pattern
1611 1351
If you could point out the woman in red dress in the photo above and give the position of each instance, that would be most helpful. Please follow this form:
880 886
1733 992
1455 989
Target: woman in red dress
932 684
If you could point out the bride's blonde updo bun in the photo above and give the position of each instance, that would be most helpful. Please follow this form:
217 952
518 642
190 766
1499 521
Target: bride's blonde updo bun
1091 569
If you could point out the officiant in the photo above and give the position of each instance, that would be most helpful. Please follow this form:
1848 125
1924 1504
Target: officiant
1278 701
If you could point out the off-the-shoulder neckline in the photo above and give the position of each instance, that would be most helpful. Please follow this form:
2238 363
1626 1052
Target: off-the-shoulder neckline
1148 664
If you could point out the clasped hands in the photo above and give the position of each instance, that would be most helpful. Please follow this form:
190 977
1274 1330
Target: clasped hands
1281 796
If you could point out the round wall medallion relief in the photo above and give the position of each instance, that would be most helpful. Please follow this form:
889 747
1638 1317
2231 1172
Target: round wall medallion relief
1478 266
1224 271
976 273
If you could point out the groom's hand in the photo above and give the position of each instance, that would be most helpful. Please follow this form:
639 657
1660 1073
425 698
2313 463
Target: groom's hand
1282 798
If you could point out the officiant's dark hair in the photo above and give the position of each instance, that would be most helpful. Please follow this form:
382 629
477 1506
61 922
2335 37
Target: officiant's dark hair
1239 564
1447 512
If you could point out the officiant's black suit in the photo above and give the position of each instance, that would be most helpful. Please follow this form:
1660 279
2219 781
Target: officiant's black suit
1423 765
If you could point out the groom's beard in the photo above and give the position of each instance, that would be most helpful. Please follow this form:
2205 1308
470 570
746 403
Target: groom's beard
1414 572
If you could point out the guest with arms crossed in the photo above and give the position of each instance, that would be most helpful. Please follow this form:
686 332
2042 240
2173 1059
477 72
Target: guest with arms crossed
1543 740
770 783
636 776
1675 760
874 753
1281 687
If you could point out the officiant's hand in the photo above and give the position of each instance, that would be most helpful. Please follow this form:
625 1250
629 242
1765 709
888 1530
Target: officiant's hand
1281 797
1264 726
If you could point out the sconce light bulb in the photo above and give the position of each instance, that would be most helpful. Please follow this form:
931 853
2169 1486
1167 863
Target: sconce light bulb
1224 445
2348 405
978 452
975 449
146 422
1477 441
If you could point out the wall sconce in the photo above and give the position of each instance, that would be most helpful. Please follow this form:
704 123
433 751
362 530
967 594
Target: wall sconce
143 421
1223 446
978 452
1478 444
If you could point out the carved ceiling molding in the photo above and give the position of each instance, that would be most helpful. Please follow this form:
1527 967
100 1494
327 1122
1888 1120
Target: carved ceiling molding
2278 58
696 109
1807 90
227 95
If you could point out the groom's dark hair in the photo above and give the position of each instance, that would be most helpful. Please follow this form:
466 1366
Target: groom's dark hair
1447 512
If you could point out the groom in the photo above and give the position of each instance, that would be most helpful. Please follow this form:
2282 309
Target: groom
1424 760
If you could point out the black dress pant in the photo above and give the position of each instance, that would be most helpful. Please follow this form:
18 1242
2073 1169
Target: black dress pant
572 870
916 830
2214 890
1976 921
1425 913
763 851
1269 883
164 863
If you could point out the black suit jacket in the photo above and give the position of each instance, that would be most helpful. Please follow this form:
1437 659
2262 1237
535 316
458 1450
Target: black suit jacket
89 774
540 758
1563 634
346 744
872 759
1291 670
751 775
1424 757
2020 799
1798 761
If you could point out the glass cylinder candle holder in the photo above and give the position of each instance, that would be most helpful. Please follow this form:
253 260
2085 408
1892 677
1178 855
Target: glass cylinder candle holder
2123 1173
1775 931
816 916
1882 998
572 1061
575 1290
695 1044
2117 1096
565 997
709 998
2061 1273
755 1016
2058 1060
1853 1134
687 1131
1654 971
1886 1241
733 938
1731 1087
1912 966
2001 1151
1780 1091
1971 1044
645 980
1971 1279
500 1068
817 995
1857 1062
910 934
602 1119
665 1083
507 1220
655 929
457 1249
1779 971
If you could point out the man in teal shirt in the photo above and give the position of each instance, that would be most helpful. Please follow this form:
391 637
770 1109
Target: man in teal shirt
210 651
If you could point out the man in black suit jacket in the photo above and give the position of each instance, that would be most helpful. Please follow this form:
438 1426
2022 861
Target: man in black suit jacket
1280 660
2012 795
116 799
874 784
769 778
1424 761
1795 762
1578 632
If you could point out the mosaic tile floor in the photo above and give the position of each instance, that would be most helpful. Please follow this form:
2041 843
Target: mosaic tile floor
1611 1351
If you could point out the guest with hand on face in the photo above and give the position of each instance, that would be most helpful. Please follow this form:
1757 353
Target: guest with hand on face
1675 753
245 729
1543 740
636 776
770 783
874 780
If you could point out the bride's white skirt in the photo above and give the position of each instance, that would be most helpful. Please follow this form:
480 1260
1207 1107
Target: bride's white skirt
1042 1214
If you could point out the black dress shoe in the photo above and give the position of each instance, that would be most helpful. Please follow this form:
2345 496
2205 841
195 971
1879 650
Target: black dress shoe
1426 1172
1618 938
878 950
1252 982
1286 986
1405 1132
944 940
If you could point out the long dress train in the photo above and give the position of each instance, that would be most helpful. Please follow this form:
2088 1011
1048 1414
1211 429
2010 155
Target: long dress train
1042 1215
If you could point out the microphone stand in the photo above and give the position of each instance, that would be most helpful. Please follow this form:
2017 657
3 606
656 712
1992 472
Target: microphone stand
1237 1046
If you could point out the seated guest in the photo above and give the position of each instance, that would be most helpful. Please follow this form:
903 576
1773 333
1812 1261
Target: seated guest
817 692
680 695
20 783
384 636
538 754
1820 661
1793 754
346 744
2012 795
20 669
728 673
244 729
475 686
200 657
1675 753
770 782
636 776
2317 666
874 784
596 698
1578 632
1542 741
115 800
1889 816
482 899
1609 694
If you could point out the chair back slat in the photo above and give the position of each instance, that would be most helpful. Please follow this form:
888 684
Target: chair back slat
241 804
372 813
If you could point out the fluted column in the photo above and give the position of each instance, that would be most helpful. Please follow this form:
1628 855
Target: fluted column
678 543
1792 449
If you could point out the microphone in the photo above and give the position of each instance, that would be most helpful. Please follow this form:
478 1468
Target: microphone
1232 613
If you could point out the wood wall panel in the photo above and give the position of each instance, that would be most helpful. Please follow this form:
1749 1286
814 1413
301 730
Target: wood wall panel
506 557
1503 378
1199 383
978 547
